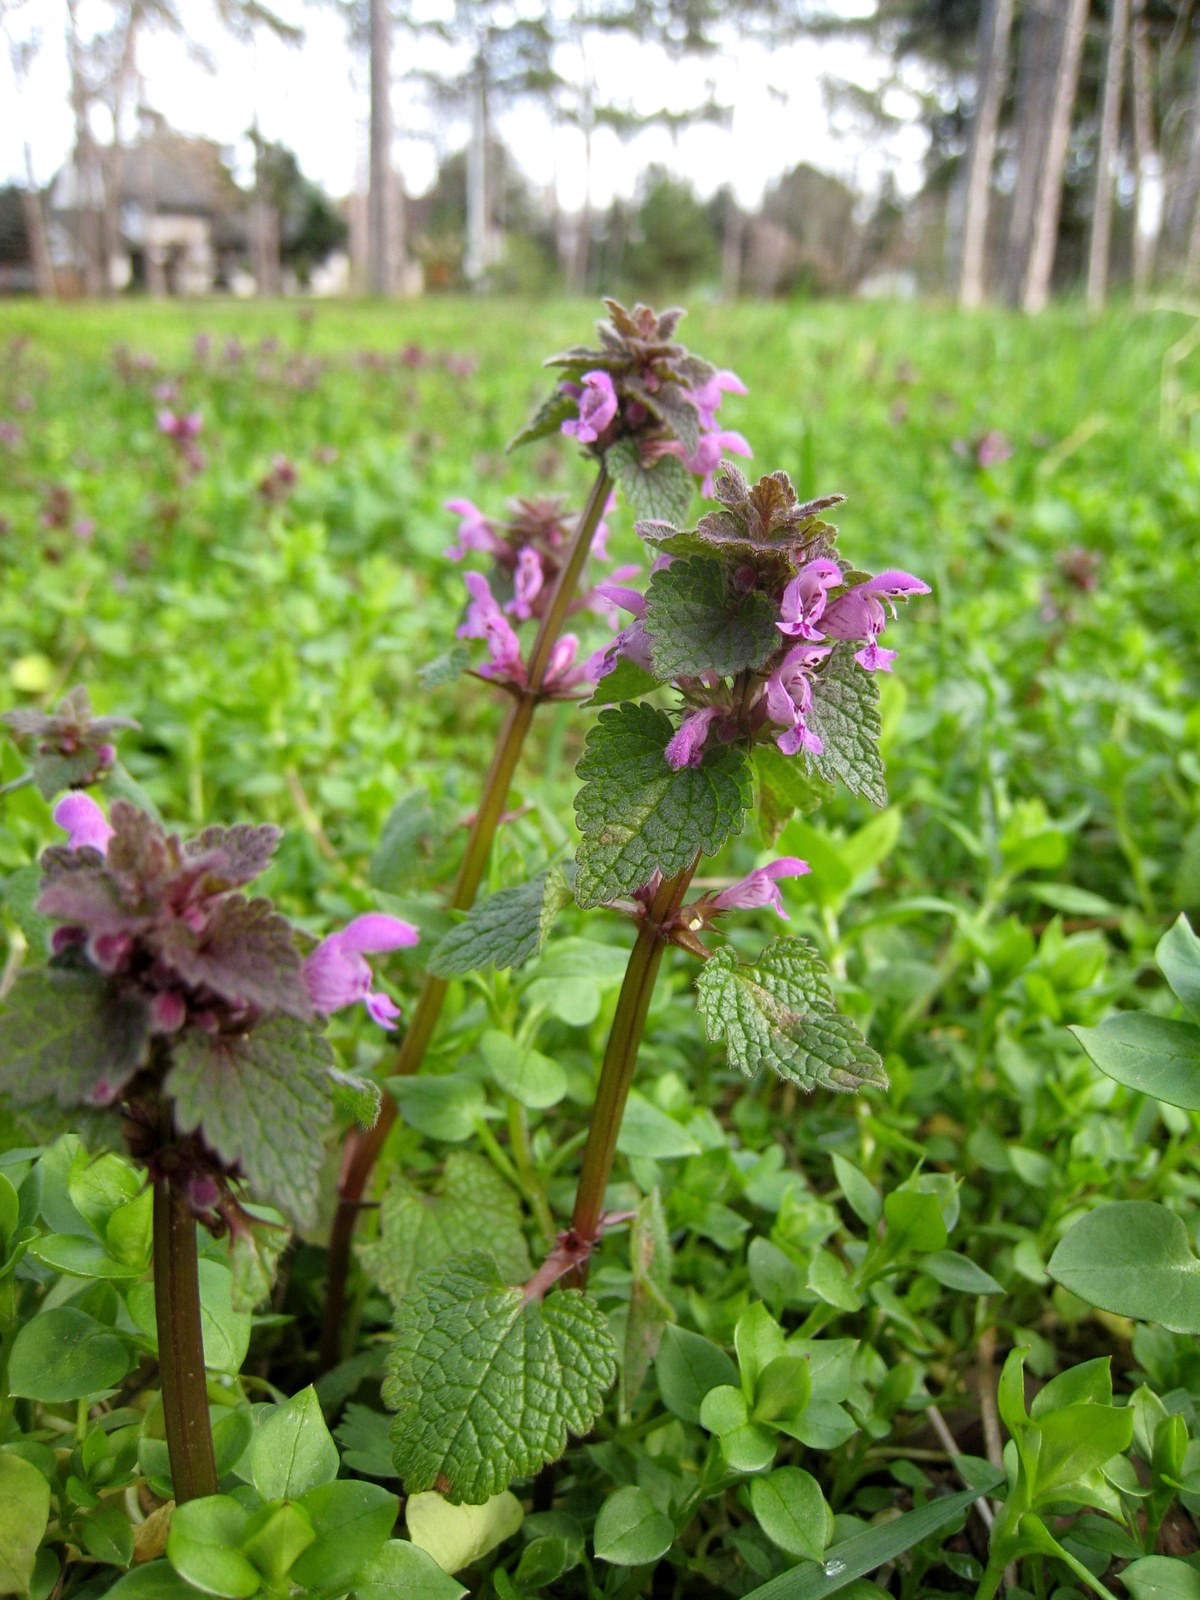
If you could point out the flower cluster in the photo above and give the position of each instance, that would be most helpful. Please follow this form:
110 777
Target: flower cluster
641 384
528 549
778 579
73 748
183 432
163 920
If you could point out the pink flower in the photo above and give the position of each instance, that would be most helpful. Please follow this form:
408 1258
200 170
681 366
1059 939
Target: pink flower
707 398
706 457
180 428
631 643
804 599
992 449
599 547
686 749
336 974
789 699
760 887
86 825
474 530
860 614
527 583
597 408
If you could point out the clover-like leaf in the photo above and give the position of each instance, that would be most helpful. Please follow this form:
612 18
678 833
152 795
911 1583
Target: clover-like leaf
70 1034
697 620
505 929
261 1099
473 1207
780 1013
662 491
845 716
487 1385
637 815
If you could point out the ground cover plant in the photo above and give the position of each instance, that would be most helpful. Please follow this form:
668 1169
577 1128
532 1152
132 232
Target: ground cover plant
695 1256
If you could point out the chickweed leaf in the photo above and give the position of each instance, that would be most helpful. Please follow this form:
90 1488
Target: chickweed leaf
486 1385
263 1100
698 621
70 1034
505 929
472 1208
845 716
780 1013
636 815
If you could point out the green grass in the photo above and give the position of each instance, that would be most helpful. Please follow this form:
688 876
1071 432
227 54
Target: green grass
1041 727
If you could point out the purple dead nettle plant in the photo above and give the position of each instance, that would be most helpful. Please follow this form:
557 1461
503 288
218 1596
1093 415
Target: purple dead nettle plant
765 644
643 409
194 1016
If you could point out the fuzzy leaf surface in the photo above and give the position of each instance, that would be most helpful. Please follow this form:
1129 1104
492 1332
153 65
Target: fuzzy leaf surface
487 1386
780 1013
845 714
473 1207
244 953
69 1034
697 622
262 1099
445 668
783 786
662 492
549 417
636 815
505 929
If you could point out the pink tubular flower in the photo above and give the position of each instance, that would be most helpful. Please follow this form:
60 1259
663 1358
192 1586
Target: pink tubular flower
789 698
707 398
860 614
687 747
485 620
336 974
180 428
86 825
992 449
706 457
597 408
760 887
631 644
804 599
599 547
474 530
527 583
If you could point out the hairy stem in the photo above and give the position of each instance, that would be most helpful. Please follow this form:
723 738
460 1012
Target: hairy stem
362 1148
620 1061
180 1346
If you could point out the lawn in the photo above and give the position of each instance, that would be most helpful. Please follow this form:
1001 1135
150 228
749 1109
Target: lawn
261 597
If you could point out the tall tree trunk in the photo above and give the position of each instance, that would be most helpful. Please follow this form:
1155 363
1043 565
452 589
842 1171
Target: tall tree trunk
381 267
475 260
731 248
35 229
995 27
264 228
89 242
582 248
1049 205
1035 84
1100 242
1148 197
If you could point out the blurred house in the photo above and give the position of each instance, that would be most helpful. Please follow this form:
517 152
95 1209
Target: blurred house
172 217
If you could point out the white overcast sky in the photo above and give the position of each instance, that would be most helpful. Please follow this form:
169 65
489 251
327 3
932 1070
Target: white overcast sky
312 98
